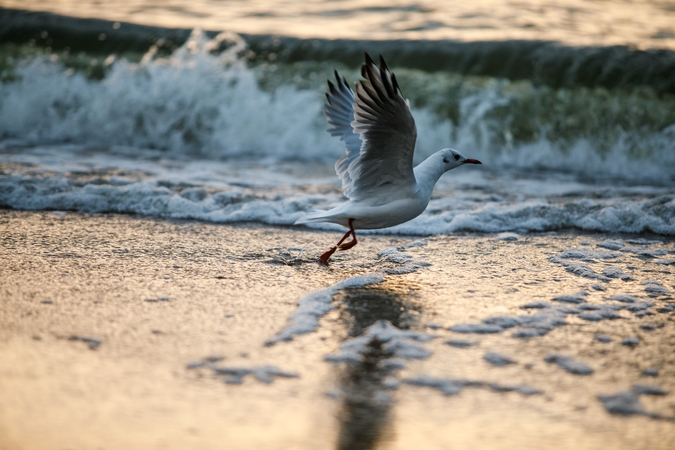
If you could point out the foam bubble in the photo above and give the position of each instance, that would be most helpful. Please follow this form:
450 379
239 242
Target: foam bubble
497 359
235 375
453 386
627 403
570 364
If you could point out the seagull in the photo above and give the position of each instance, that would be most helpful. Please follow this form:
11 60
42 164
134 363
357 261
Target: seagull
377 173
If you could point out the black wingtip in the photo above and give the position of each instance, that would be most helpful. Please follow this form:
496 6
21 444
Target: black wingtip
383 65
395 83
369 62
385 79
331 87
341 82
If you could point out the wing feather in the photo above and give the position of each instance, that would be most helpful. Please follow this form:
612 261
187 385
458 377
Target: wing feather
339 111
378 130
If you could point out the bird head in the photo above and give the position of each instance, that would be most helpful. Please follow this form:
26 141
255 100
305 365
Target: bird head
452 158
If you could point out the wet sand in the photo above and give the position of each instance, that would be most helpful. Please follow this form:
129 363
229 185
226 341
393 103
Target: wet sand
125 332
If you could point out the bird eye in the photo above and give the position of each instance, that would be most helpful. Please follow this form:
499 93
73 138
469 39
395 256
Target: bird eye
456 157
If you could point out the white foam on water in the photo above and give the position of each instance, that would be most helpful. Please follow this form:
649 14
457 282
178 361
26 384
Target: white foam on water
627 403
666 262
497 359
405 263
643 241
486 213
605 339
305 319
453 386
73 178
570 364
655 287
632 341
394 342
580 269
579 297
650 372
477 328
546 317
507 236
596 313
611 244
531 325
535 305
624 298
616 272
586 254
460 343
646 252
235 375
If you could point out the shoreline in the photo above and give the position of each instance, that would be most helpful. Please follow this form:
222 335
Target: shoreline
163 296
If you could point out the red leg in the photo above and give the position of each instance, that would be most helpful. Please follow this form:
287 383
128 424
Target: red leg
353 242
351 231
324 258
329 253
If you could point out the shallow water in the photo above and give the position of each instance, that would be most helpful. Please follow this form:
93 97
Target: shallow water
467 199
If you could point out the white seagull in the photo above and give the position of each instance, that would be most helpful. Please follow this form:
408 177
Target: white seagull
377 172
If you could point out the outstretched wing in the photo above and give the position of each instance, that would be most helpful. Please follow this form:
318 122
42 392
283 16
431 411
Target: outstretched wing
339 112
384 127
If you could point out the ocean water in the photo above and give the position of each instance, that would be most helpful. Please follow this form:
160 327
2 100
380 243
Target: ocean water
643 24
226 127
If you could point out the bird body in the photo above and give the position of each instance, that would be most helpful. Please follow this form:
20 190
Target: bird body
396 206
377 172
370 215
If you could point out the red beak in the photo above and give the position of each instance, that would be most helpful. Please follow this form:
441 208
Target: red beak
472 161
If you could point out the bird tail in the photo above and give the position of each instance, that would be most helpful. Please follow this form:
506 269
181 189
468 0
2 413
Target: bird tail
314 216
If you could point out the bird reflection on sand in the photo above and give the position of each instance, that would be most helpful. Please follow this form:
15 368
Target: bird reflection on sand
366 411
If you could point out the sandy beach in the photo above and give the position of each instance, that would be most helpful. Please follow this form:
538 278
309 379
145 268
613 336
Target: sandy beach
123 332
